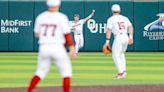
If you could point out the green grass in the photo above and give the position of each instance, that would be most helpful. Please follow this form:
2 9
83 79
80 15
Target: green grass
16 69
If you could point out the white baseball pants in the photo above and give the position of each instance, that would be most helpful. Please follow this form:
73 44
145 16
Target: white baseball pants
118 51
79 42
53 53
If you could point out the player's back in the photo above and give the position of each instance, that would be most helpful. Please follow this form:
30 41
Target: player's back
119 24
50 26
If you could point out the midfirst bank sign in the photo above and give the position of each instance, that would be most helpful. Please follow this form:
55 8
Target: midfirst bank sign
12 26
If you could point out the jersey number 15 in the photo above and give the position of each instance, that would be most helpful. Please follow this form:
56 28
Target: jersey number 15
121 25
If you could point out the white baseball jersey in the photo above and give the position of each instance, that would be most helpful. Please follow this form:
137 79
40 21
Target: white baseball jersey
52 26
118 24
77 27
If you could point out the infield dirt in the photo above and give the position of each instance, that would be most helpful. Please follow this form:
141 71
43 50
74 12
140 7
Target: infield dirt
121 88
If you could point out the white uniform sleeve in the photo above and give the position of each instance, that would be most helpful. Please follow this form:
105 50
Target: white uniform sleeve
37 25
65 26
109 24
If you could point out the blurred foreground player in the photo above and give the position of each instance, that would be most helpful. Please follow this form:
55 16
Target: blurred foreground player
52 30
120 26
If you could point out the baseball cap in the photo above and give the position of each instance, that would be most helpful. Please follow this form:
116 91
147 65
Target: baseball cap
116 7
76 15
52 3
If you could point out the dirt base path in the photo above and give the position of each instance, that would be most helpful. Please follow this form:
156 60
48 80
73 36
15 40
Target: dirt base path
126 88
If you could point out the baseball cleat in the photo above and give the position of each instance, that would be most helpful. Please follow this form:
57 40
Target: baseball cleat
124 73
120 76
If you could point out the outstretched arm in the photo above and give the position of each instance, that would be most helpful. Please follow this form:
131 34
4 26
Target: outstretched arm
90 16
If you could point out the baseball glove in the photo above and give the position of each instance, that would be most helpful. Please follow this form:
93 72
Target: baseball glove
106 49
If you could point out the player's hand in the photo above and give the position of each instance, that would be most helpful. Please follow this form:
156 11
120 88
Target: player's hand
72 52
131 41
93 11
106 48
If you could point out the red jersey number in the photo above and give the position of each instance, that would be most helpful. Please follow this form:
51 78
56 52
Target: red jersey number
46 26
121 25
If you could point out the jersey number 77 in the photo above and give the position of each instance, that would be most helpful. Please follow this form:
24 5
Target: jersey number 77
47 27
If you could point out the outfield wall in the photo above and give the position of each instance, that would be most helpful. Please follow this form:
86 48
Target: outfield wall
24 12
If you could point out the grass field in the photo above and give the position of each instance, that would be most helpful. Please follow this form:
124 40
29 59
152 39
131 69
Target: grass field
16 69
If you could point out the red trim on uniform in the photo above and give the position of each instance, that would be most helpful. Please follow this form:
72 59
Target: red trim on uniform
35 80
66 84
69 39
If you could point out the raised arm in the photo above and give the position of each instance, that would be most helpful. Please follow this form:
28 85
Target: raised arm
90 16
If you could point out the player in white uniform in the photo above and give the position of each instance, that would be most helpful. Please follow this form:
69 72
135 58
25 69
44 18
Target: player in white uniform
120 26
52 30
77 28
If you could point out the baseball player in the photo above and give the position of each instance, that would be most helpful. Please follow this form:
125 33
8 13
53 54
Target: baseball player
77 28
52 30
120 26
